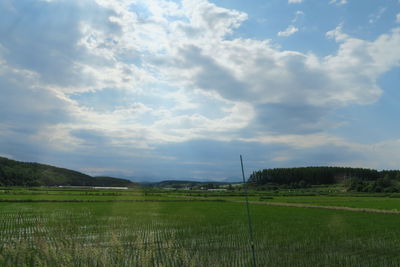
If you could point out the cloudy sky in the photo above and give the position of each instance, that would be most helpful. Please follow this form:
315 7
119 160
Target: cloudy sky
154 89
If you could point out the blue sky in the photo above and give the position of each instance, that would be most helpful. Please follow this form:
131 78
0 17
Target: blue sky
154 89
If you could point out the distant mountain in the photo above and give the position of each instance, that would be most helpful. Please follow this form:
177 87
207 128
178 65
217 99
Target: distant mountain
184 184
17 173
158 179
112 181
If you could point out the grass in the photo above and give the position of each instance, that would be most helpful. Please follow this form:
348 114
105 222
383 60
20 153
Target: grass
84 197
192 234
384 203
38 194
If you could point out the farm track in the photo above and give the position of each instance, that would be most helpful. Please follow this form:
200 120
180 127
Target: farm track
300 205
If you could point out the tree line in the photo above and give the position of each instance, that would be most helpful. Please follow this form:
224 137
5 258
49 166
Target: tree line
357 179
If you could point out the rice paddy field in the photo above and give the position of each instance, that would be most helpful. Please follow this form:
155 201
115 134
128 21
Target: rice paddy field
133 228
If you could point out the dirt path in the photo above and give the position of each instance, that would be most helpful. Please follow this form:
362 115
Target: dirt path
300 205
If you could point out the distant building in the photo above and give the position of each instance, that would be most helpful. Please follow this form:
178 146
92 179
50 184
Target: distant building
93 187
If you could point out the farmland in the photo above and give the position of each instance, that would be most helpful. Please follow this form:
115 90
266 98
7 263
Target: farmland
51 227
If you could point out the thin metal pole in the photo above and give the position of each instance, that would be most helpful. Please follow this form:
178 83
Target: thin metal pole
248 214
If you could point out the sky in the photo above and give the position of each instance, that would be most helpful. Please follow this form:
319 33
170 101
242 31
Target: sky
155 89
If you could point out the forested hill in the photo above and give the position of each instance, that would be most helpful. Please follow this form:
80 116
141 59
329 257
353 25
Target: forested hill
16 173
318 175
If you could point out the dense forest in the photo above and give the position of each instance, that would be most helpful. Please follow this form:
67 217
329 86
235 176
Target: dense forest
355 179
16 173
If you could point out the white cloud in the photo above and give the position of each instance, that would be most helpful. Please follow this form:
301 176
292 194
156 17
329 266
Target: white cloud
371 57
190 52
376 16
295 1
298 16
253 71
398 18
337 33
183 77
338 2
289 31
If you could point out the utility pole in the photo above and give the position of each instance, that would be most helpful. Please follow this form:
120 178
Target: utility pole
248 214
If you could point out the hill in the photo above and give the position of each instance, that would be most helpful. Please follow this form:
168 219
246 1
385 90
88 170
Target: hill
17 173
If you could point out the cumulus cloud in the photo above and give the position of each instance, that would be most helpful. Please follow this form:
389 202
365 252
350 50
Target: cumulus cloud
255 72
367 57
195 66
51 53
398 18
269 83
337 33
295 1
289 31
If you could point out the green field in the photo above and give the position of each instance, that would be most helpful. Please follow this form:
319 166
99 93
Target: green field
384 203
167 229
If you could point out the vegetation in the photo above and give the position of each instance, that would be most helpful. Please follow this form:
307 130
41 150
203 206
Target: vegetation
385 184
16 173
356 179
192 234
301 217
92 227
182 184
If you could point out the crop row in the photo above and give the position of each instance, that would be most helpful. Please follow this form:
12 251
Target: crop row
191 234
